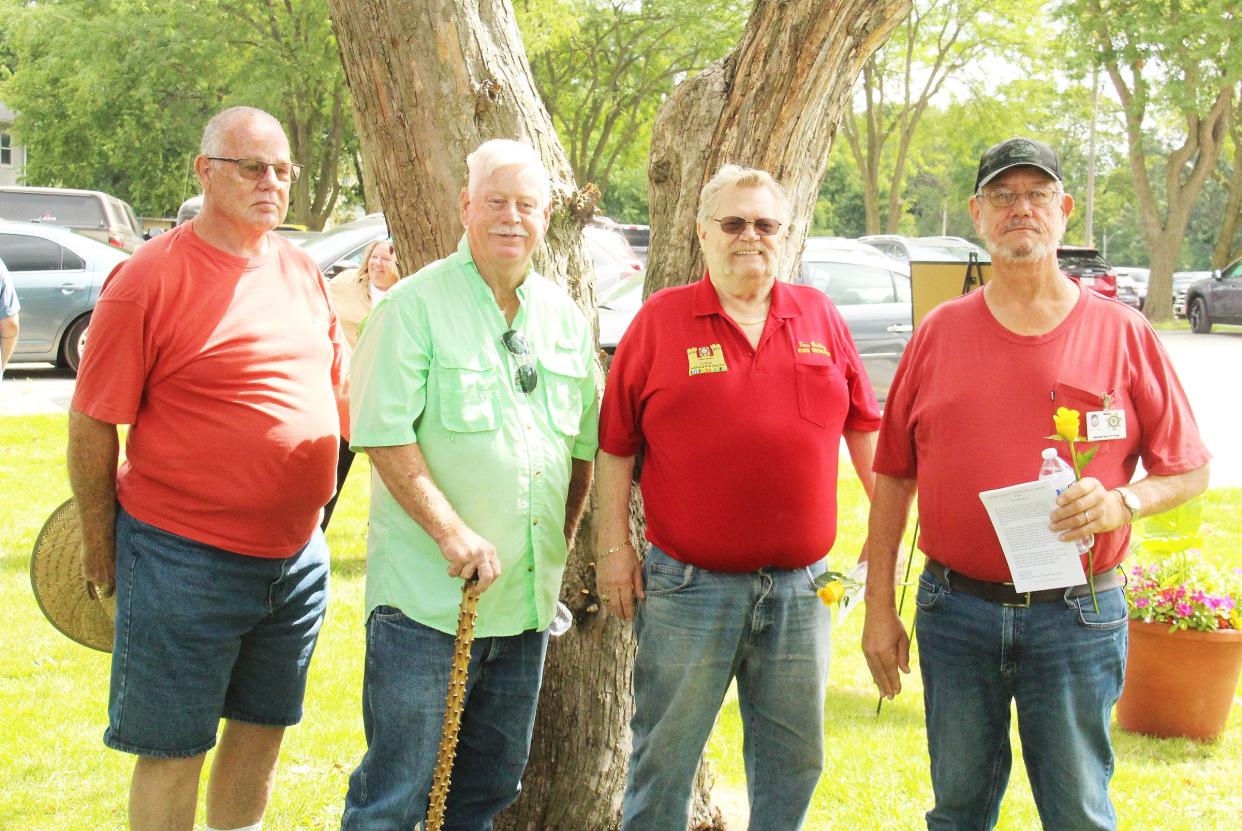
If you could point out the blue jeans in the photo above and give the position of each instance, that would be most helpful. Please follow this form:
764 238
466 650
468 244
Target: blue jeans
404 686
1061 662
697 631
203 633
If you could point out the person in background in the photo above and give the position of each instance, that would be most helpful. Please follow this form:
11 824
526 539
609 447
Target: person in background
354 293
9 326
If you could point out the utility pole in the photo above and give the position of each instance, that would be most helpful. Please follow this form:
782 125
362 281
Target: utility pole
1089 225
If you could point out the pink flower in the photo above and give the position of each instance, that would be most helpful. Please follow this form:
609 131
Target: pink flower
1198 596
1183 609
1142 602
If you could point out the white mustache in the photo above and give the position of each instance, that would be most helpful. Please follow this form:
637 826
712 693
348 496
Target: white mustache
508 230
1021 223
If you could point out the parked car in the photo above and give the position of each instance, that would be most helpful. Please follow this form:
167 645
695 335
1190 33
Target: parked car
340 248
1086 267
95 214
870 289
1216 299
57 274
639 237
1136 278
926 249
1181 283
611 253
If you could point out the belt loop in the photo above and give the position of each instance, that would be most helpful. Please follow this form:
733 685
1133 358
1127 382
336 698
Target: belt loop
948 583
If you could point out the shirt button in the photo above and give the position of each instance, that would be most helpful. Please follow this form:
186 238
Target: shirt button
538 473
530 568
535 521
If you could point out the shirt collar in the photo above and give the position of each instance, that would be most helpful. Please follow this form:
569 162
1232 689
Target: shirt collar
706 302
480 285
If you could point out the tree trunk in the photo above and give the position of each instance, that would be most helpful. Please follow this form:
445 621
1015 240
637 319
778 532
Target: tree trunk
449 74
1225 251
774 103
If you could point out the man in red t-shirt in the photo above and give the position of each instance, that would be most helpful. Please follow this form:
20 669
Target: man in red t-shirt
218 344
970 410
738 389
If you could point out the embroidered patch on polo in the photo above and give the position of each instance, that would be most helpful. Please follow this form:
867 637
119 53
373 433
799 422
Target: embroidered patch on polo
705 359
813 347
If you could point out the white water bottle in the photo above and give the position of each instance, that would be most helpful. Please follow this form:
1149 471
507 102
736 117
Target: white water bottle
1055 470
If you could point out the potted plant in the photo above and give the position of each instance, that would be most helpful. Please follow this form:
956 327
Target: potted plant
1185 647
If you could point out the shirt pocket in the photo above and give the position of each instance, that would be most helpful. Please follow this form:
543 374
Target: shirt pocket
820 387
1076 398
562 370
469 392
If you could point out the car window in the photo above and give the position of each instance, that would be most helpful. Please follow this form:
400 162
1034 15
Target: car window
1233 272
76 211
902 284
850 285
1083 261
23 253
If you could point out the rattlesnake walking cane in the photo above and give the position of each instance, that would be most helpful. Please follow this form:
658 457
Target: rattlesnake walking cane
453 706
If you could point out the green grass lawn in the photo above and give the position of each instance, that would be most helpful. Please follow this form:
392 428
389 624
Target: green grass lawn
58 776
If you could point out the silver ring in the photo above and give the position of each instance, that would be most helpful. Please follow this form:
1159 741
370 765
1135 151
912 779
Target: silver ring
1087 514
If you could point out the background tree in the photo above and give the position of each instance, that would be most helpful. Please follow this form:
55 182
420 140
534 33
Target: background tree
1228 245
1176 58
934 46
113 94
457 75
603 77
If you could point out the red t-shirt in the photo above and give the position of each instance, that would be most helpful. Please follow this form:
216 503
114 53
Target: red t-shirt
224 367
971 407
741 445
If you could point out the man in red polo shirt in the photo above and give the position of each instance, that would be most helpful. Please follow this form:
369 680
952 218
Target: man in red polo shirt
738 390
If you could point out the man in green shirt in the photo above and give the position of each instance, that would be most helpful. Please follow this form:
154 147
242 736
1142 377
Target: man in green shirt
473 393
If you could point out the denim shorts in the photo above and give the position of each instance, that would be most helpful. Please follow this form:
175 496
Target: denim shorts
204 634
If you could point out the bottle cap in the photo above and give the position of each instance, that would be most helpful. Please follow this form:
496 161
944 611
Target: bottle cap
1050 453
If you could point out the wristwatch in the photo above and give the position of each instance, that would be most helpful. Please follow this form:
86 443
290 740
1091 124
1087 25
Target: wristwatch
1131 502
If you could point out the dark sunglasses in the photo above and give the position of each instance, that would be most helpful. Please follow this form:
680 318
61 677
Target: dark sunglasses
526 377
257 168
735 225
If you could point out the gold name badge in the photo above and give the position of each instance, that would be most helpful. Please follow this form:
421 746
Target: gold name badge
705 359
813 348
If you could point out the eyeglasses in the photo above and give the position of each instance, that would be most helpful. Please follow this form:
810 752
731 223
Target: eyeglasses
257 168
736 225
1001 198
526 377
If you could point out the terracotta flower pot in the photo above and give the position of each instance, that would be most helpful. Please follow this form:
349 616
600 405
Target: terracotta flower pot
1179 683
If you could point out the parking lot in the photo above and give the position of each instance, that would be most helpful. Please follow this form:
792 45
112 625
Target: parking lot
1201 362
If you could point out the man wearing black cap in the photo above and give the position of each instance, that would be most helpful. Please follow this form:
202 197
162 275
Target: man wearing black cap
970 410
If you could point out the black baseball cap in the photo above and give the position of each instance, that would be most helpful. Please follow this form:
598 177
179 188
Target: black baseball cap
1017 152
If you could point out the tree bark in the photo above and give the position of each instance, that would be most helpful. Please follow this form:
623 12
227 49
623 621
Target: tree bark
774 103
445 75
1225 251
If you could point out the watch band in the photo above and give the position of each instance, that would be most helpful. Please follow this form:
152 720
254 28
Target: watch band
1131 503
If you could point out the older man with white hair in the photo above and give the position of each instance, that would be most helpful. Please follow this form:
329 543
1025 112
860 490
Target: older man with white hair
739 389
474 396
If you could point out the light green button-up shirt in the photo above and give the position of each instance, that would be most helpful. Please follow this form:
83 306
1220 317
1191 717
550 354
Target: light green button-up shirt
431 368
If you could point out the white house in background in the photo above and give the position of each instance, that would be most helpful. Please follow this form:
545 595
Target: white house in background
12 154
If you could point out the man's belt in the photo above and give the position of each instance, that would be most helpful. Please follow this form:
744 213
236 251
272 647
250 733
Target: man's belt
1006 595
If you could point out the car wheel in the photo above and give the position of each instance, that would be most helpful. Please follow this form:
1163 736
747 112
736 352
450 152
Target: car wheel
75 342
1200 323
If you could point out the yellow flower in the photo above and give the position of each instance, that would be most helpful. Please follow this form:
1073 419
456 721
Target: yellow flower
831 593
1065 422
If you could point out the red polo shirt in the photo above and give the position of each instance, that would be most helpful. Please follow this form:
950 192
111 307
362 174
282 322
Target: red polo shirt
741 444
